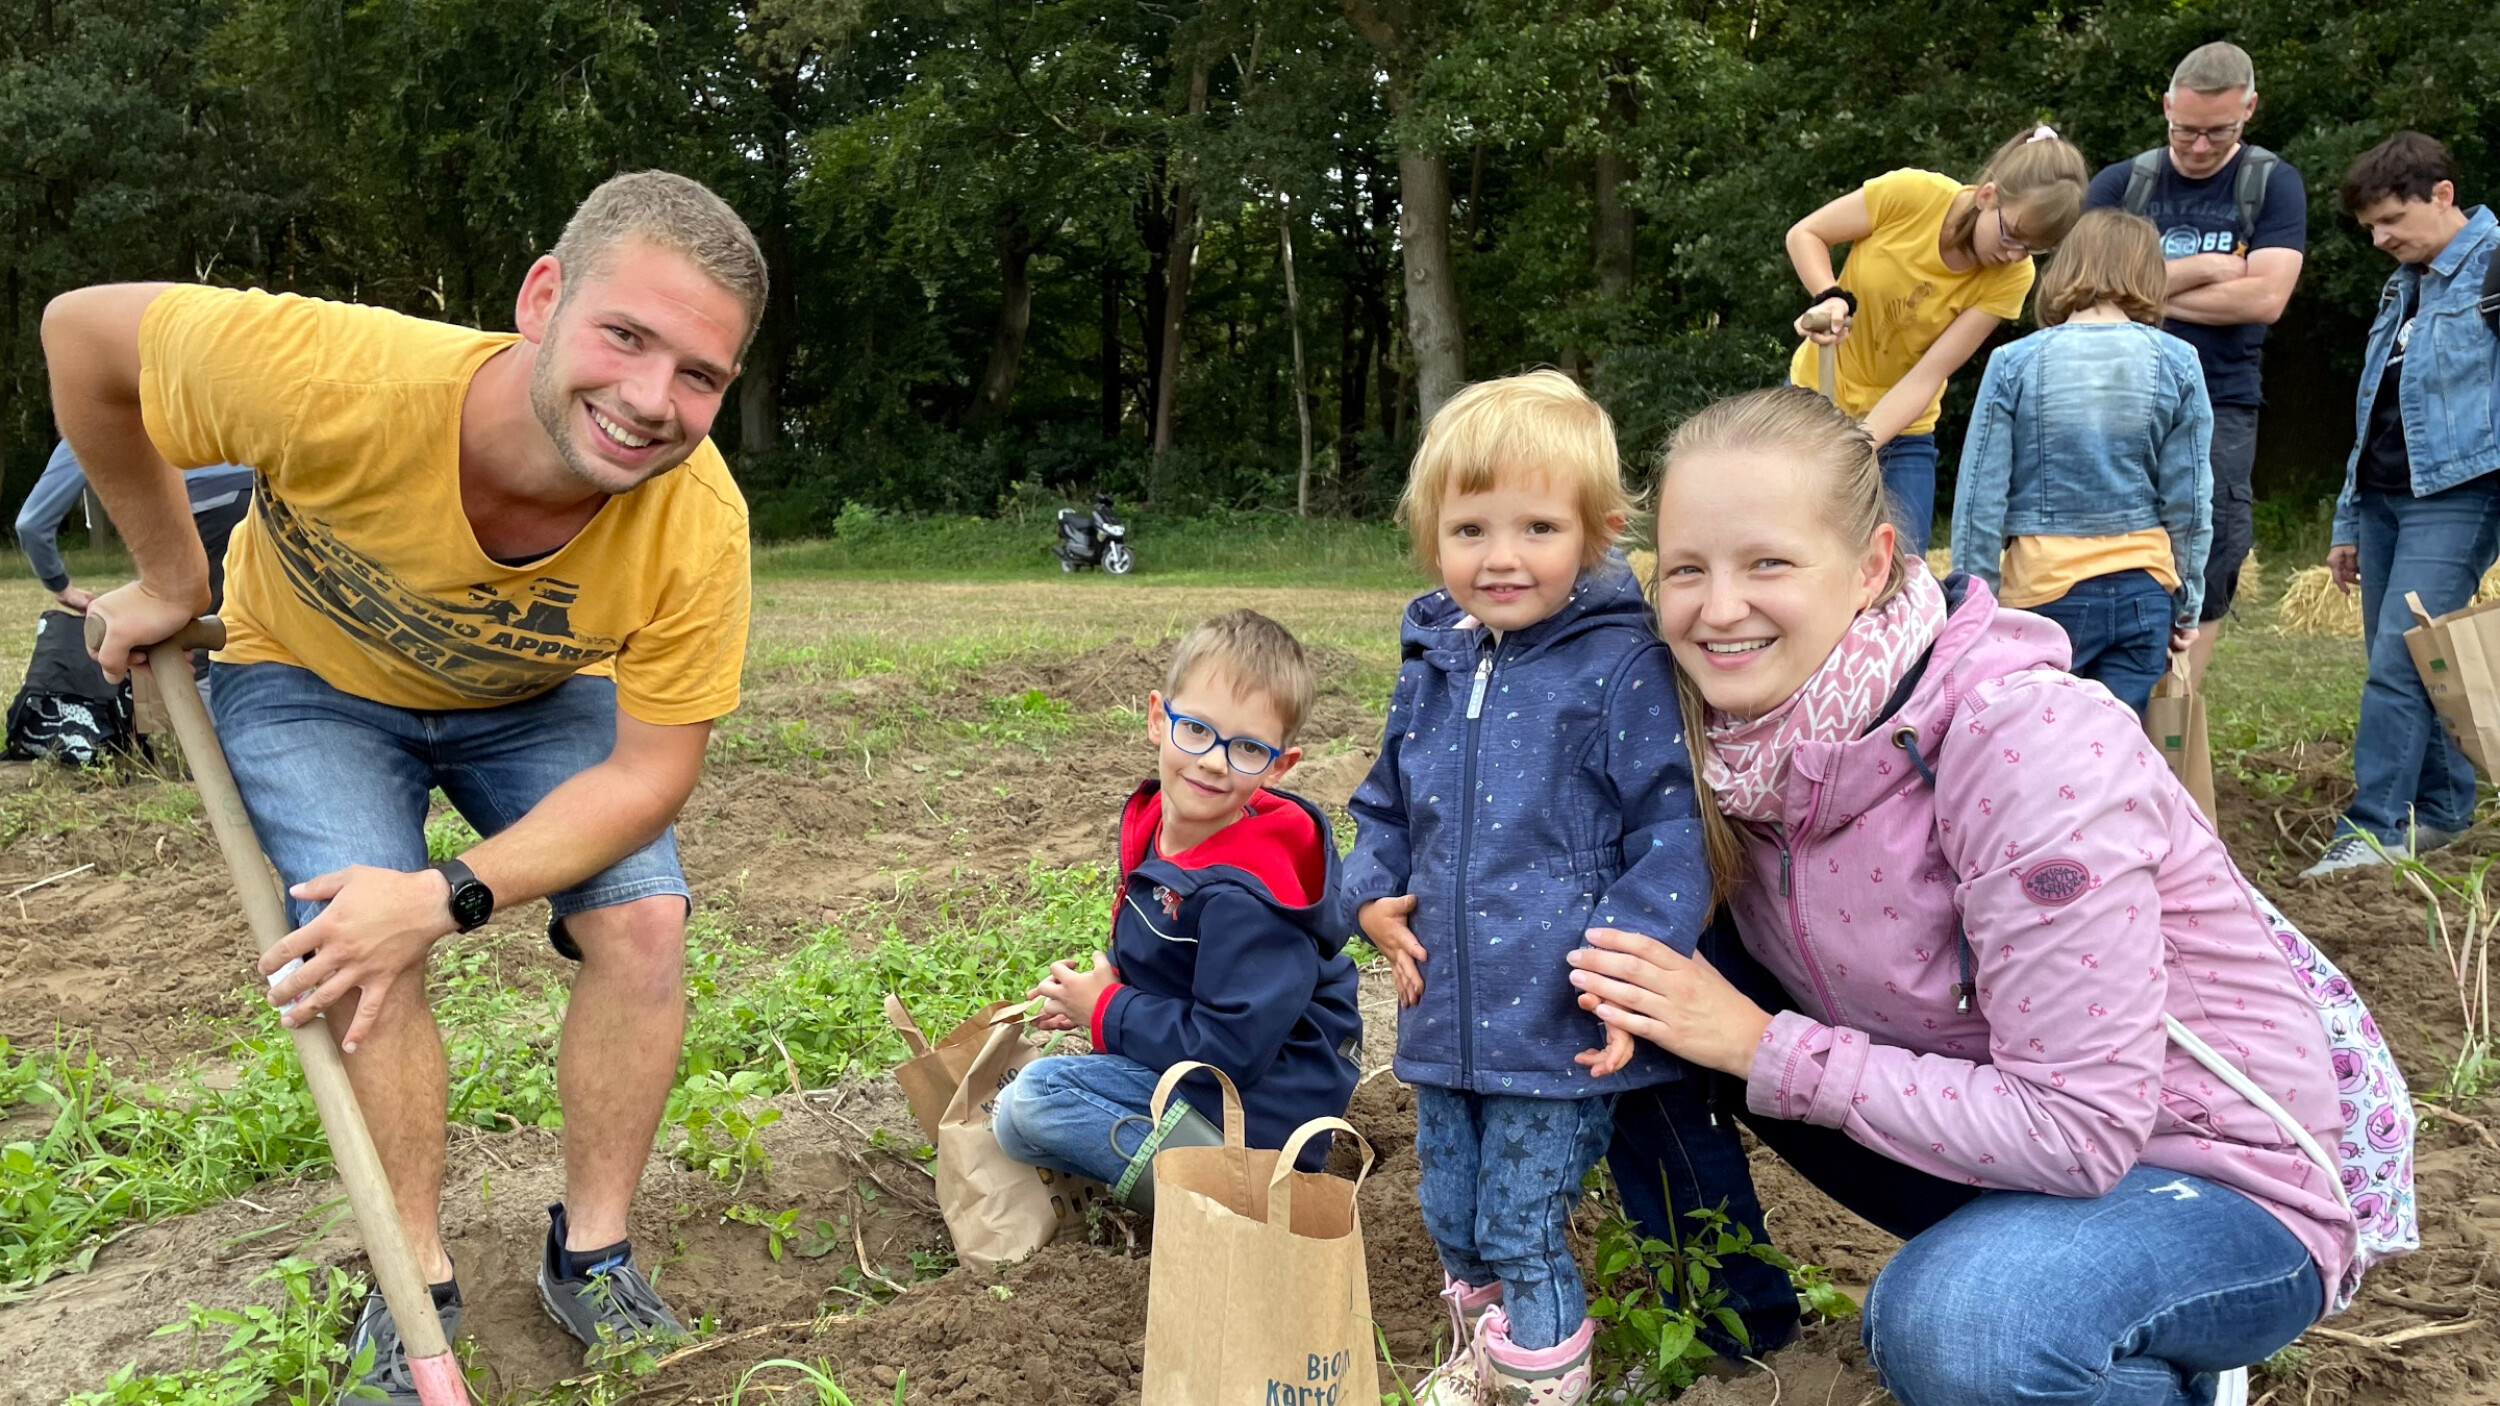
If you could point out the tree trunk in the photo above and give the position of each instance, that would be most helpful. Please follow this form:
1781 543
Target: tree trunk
1110 362
1015 316
1614 229
1178 266
1301 391
759 399
1435 328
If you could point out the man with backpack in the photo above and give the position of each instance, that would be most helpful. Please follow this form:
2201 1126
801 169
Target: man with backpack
2234 227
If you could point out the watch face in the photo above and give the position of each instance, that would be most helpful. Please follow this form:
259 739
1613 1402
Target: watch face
471 904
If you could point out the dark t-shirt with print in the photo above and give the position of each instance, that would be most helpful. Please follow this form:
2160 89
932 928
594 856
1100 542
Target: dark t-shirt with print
2203 217
2386 463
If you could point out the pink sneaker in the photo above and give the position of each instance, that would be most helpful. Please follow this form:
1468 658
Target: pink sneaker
1460 1380
1518 1376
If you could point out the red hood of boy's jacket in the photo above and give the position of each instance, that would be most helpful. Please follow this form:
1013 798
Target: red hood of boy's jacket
1276 843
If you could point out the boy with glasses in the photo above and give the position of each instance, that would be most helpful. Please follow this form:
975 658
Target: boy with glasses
2234 227
1224 949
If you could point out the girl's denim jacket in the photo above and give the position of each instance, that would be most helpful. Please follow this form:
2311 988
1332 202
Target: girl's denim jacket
2089 429
2450 385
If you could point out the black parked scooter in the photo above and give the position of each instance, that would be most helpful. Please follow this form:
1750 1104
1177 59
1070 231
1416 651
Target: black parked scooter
1097 539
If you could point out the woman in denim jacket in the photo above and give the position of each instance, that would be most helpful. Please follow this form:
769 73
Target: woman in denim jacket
2420 511
2086 494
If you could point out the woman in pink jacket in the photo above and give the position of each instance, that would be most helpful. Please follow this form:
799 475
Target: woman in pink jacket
2000 932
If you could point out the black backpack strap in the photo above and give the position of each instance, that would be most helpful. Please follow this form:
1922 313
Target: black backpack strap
2141 173
2256 172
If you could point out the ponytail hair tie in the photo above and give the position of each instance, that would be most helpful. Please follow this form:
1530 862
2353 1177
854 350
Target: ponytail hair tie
2042 133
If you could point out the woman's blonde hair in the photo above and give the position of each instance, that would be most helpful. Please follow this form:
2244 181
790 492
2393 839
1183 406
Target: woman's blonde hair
1534 422
2109 257
2039 175
1795 423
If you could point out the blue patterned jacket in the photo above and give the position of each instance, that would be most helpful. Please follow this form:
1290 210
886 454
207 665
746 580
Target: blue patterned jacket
1529 789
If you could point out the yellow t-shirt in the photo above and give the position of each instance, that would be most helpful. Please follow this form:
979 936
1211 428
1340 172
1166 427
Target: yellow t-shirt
1906 296
357 562
2038 569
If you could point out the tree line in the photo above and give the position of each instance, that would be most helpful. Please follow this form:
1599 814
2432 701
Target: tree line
1218 253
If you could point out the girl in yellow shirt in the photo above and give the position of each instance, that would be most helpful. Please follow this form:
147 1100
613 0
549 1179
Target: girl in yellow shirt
1934 266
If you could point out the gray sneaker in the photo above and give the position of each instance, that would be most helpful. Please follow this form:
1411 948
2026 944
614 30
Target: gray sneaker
389 1374
613 1309
2430 837
2349 852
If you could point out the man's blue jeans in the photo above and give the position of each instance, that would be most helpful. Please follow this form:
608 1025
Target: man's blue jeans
2119 627
331 779
1500 1176
2405 771
1909 464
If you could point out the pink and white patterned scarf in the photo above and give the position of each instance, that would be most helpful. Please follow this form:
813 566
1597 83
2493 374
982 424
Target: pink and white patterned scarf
1748 763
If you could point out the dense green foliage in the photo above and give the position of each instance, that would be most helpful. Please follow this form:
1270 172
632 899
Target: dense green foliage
975 210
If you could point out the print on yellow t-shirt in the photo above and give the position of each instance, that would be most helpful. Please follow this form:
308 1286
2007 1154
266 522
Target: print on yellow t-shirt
1906 296
357 561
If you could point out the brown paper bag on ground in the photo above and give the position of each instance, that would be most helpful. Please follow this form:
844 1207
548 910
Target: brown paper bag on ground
2458 657
2175 720
1258 1292
930 1075
996 1208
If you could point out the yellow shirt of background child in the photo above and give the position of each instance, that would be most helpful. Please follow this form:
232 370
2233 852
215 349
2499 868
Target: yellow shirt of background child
357 562
1906 296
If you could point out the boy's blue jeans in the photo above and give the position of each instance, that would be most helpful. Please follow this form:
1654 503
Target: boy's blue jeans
1500 1177
1065 1112
2404 768
1087 1114
2119 627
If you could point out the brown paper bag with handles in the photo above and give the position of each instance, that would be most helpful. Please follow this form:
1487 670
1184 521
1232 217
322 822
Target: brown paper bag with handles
2458 657
1258 1292
930 1075
2175 720
998 1209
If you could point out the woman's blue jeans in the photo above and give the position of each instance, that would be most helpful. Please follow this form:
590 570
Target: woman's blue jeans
2138 1297
2404 769
1909 464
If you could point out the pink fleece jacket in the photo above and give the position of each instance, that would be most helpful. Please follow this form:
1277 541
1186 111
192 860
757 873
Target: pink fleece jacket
2096 898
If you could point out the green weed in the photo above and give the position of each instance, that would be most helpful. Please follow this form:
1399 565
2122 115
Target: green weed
717 1130
92 1152
817 1378
295 1353
1658 1295
446 835
783 1232
2458 917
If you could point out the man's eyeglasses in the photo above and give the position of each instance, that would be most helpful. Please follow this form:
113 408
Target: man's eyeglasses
2006 237
1246 755
2188 136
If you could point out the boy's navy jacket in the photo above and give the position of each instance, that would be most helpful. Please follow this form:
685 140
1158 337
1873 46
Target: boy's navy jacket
1227 954
1528 790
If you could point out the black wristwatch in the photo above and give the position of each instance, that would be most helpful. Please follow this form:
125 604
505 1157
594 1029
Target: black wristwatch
472 903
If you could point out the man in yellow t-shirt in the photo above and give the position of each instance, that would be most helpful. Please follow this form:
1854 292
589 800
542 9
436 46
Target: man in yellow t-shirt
509 566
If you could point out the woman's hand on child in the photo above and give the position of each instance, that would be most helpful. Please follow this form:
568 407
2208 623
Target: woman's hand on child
1069 996
1383 920
1641 986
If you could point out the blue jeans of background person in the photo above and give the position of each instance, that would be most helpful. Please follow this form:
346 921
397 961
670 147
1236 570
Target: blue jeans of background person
2119 627
1909 464
2404 768
1500 1176
331 779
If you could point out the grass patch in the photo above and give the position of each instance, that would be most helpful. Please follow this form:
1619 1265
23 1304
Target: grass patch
295 1353
1231 549
87 1153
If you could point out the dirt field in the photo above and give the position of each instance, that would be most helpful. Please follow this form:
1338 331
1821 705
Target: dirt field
845 789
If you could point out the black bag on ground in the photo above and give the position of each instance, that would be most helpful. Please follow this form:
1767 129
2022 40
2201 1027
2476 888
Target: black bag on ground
65 711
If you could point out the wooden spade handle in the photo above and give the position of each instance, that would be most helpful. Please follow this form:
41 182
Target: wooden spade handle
394 1260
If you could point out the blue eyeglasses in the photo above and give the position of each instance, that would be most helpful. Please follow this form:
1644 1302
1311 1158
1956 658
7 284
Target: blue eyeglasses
1246 755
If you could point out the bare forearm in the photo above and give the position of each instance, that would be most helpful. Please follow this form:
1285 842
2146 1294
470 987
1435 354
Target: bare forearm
1812 259
2226 304
1901 405
91 343
580 828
